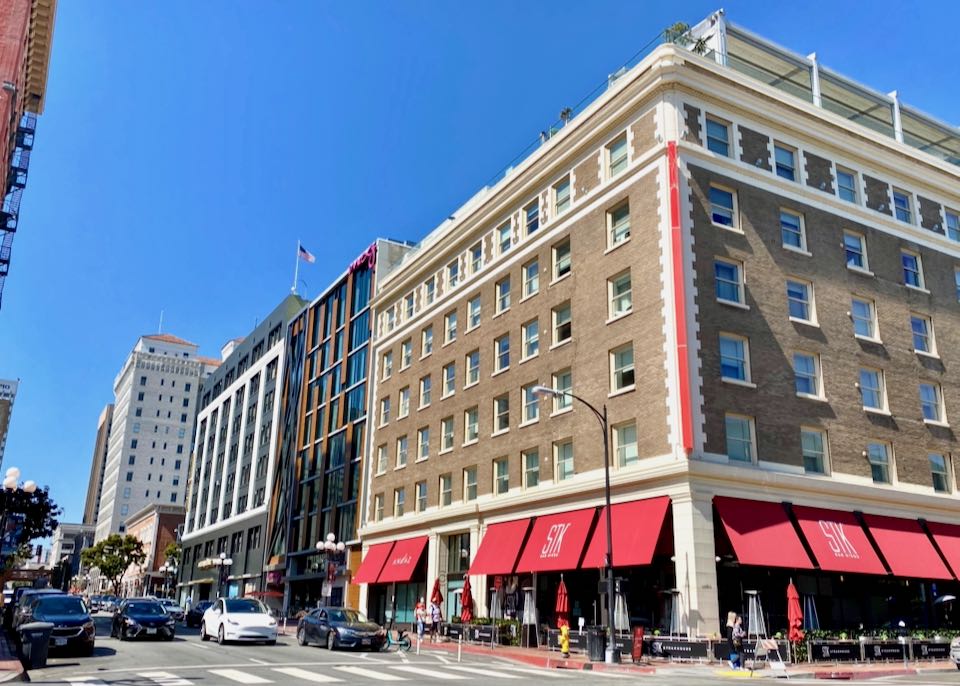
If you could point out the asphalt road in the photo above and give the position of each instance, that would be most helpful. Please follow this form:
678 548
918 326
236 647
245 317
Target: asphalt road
189 662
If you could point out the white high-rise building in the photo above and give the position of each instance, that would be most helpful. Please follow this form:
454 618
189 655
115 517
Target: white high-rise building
8 392
148 454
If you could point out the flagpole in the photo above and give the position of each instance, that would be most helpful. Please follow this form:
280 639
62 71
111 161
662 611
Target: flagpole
296 270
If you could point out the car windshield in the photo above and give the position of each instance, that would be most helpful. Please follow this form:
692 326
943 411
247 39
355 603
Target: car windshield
61 605
203 605
145 608
169 603
247 605
346 616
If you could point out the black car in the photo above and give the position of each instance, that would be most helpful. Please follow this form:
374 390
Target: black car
21 613
142 618
73 627
339 627
195 615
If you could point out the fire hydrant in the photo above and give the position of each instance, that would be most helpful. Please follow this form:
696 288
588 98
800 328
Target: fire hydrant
565 640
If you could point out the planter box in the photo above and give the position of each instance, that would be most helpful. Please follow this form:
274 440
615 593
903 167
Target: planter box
885 650
676 648
833 651
720 651
931 650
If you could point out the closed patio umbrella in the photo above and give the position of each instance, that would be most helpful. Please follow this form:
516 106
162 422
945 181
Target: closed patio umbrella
436 596
794 615
562 607
466 602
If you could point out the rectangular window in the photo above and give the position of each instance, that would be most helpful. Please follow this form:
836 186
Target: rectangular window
806 374
847 185
813 444
723 207
902 206
800 301
504 238
469 484
953 225
426 388
718 137
618 224
531 404
621 368
423 443
561 198
625 444
408 306
734 358
561 259
503 295
922 329
740 442
398 500
792 233
426 341
378 507
387 365
531 278
384 411
501 476
421 487
431 289
620 293
563 460
864 315
531 338
931 402
383 458
473 368
450 327
912 269
446 489
562 324
855 250
729 281
473 313
531 214
403 407
501 414
446 434
531 468
501 352
403 446
786 161
449 379
406 353
940 473
476 258
563 382
471 425
617 155
878 455
453 274
872 390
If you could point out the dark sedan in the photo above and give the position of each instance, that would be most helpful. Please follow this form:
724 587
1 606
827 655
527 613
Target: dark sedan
73 628
195 615
339 627
142 618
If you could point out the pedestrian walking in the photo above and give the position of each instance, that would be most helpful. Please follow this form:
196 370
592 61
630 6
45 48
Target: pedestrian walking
734 632
188 603
436 616
420 617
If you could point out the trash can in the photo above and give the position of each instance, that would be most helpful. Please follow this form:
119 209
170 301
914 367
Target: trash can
596 644
35 643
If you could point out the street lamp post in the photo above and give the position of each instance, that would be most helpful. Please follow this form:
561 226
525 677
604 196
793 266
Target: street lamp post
168 569
612 655
11 484
224 563
329 548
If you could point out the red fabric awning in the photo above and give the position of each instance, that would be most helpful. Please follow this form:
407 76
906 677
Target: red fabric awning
403 560
906 548
369 569
500 547
636 528
556 542
838 541
947 537
761 533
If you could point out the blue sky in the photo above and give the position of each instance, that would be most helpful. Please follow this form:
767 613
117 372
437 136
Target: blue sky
186 146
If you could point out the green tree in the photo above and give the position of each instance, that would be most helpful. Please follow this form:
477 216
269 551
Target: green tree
173 551
28 517
113 555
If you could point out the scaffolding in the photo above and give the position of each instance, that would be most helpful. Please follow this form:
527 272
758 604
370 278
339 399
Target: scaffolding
15 183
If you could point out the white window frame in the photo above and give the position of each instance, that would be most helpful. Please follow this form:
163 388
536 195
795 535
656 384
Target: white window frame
937 403
499 355
384 411
562 402
409 306
504 236
450 327
810 301
453 274
817 375
618 231
874 321
887 464
449 374
744 344
740 285
896 193
426 392
801 230
403 452
752 431
420 499
387 365
383 459
530 338
734 211
536 221
430 290
531 283
470 482
525 456
503 295
921 281
794 168
824 455
399 501
707 137
951 226
446 434
557 325
474 312
471 425
531 405
562 192
445 490
501 476
928 334
622 371
563 245
426 341
880 390
406 353
622 459
862 241
476 258
614 298
612 162
471 373
945 474
403 402
855 179
378 507
423 443
501 414
558 446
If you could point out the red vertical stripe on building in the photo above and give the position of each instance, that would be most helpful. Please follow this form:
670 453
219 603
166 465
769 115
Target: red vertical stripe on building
680 299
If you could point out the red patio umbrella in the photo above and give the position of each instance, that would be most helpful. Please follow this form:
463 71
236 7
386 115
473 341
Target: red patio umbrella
794 615
436 596
562 606
466 602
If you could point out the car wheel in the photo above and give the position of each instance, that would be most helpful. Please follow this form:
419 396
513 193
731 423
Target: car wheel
301 637
331 640
203 632
221 639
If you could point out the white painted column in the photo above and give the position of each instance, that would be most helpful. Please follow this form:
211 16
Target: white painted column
478 583
695 560
433 562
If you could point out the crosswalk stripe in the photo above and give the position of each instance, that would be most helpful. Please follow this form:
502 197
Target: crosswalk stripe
240 677
165 679
423 671
305 675
548 673
370 674
86 681
485 672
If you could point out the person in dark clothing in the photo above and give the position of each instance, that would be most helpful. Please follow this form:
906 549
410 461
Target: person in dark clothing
734 632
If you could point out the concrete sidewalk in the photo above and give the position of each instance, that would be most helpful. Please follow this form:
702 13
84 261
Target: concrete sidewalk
549 659
11 669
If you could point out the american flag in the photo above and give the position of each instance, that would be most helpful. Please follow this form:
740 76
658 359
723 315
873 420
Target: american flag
306 255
